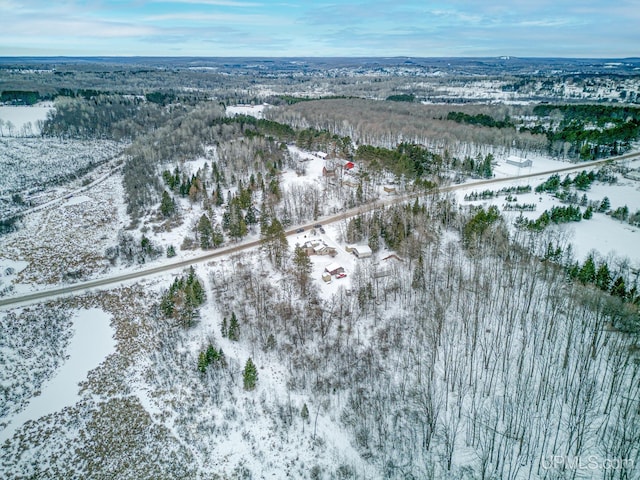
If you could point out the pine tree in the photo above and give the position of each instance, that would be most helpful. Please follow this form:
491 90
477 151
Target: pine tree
167 205
202 362
205 232
587 273
250 375
212 355
603 277
224 329
234 328
171 251
605 205
619 289
303 268
271 342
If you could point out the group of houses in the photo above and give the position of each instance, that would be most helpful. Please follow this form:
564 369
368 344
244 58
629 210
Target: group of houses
334 269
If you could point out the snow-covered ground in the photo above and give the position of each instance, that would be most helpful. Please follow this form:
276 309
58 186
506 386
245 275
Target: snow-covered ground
253 110
22 121
602 234
91 341
207 423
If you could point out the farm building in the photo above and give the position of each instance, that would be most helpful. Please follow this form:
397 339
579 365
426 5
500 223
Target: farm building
362 251
334 269
519 162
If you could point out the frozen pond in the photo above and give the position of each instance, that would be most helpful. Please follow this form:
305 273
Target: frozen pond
91 343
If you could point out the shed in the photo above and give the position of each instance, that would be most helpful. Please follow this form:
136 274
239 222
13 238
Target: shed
518 161
334 269
326 276
362 251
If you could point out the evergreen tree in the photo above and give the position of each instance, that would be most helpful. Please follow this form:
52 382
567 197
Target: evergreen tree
212 355
234 328
583 200
171 251
587 273
250 375
603 277
167 205
588 213
605 205
619 289
274 241
271 342
202 362
303 268
217 238
418 281
205 232
224 328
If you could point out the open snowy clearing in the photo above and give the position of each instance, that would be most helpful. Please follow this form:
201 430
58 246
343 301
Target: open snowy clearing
602 233
253 110
23 121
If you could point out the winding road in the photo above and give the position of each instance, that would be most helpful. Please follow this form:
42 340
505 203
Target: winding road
116 279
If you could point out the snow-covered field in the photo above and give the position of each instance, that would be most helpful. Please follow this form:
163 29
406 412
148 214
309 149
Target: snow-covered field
66 241
23 121
91 341
253 110
32 166
602 234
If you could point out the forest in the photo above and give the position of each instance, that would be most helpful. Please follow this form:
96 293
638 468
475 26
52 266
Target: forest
473 344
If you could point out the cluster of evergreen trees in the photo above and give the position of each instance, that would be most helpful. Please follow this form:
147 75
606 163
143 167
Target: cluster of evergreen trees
230 330
520 207
479 224
409 160
487 194
182 299
590 273
211 356
556 215
479 119
615 128
582 181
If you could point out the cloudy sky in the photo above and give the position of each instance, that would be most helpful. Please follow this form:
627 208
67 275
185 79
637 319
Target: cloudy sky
426 28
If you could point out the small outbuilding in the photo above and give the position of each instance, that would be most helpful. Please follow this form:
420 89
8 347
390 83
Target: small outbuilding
362 251
519 162
334 269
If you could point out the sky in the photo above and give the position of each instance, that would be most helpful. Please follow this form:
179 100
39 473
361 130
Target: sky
288 28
